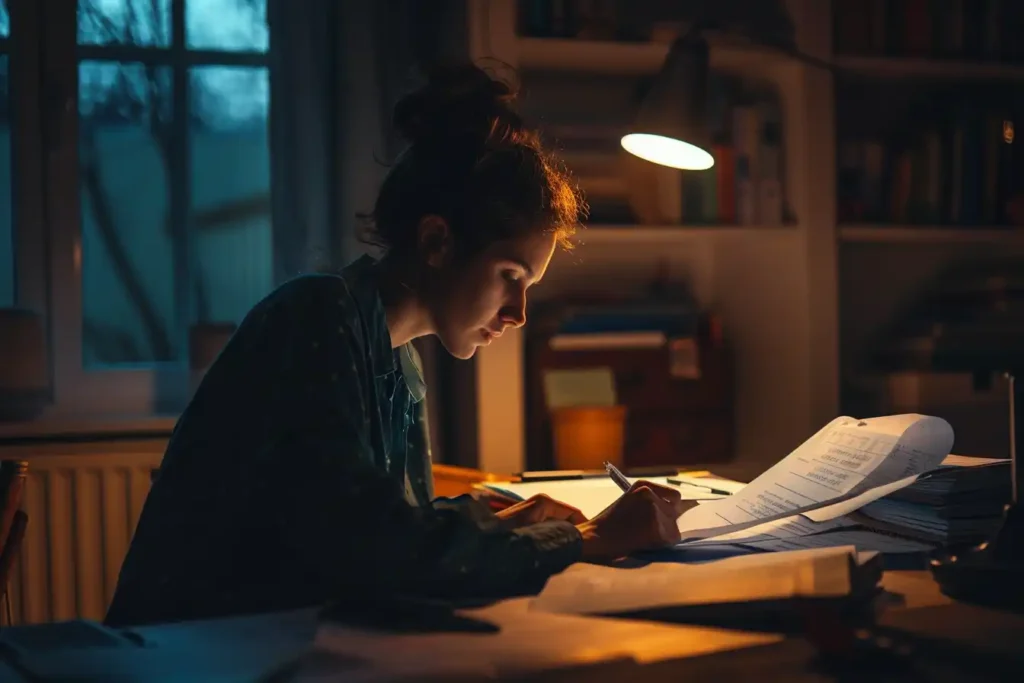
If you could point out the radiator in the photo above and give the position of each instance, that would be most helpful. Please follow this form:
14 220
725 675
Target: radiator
82 510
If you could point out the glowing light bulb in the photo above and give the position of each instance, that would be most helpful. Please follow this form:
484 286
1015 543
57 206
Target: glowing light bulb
667 151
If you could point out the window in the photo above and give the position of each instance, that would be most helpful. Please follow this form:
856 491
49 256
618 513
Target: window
6 186
174 173
172 179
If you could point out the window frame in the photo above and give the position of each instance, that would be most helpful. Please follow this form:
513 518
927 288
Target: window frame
155 389
27 205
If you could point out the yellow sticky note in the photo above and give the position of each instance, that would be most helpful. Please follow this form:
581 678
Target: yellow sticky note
582 387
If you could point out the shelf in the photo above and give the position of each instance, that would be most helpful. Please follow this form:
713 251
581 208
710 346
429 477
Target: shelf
632 234
630 59
942 69
930 234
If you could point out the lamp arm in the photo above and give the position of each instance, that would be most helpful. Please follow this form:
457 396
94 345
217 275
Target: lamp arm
789 51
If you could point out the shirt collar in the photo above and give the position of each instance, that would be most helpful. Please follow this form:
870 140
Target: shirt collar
363 278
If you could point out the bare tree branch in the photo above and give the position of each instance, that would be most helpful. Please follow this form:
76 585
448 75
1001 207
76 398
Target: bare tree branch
103 215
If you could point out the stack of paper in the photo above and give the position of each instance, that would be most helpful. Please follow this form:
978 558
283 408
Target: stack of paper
961 503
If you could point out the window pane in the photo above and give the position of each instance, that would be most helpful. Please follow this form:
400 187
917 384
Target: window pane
5 21
231 25
6 224
230 186
124 22
127 268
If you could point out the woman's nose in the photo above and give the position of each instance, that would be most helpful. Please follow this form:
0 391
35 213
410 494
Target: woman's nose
514 314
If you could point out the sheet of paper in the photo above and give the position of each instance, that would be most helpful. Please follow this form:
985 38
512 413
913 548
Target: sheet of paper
592 495
788 527
846 458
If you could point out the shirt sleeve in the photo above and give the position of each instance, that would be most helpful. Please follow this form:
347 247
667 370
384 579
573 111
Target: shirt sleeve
346 519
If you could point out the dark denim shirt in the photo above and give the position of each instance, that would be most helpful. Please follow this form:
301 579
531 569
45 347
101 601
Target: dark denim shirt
300 471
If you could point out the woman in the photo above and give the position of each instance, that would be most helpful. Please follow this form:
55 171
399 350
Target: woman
300 471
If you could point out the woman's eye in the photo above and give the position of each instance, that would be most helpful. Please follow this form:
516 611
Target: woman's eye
510 275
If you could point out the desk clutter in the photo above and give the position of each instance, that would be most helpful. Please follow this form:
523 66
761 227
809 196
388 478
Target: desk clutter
885 484
796 584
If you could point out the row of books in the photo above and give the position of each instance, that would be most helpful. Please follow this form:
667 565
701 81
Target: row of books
745 186
967 171
634 326
954 29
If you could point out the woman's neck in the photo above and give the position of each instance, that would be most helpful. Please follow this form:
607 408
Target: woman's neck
407 317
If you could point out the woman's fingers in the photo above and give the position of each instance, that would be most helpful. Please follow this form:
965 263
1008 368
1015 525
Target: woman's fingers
674 505
664 518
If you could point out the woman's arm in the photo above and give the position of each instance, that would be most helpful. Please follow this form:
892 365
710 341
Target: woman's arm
346 520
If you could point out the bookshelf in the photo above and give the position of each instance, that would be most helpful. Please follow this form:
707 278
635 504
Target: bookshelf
932 190
774 284
780 288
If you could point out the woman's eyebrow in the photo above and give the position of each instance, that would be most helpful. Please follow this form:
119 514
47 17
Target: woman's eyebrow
522 264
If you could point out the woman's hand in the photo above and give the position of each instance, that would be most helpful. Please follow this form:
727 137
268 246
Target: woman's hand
644 518
540 508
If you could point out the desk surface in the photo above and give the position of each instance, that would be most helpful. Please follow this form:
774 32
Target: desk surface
528 643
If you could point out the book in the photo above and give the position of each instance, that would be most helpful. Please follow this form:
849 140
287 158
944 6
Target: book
748 589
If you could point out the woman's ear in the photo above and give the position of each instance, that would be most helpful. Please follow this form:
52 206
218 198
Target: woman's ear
434 241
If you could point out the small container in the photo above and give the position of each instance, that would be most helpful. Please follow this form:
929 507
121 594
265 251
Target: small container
25 371
585 437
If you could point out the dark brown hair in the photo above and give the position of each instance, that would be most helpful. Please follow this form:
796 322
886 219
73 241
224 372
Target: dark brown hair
471 160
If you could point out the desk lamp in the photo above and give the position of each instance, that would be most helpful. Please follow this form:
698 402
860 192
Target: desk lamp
671 127
993 572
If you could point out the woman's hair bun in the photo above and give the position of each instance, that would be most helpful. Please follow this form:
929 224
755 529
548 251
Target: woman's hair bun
458 104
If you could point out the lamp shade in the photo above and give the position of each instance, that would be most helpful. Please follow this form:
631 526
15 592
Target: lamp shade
671 126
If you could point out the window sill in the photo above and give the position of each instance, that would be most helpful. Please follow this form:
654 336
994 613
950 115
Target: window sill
82 429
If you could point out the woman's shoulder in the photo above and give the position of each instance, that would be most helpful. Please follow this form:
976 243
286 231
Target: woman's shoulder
312 285
340 288
338 299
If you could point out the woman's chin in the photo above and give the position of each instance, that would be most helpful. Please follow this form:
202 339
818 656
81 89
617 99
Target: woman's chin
463 349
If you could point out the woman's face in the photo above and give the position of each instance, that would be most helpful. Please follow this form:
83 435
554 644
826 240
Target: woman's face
479 299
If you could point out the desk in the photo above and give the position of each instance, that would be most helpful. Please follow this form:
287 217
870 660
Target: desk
530 645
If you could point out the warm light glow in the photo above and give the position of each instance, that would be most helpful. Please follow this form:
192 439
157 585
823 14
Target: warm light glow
670 152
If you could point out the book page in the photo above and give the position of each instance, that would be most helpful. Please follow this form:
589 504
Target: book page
846 458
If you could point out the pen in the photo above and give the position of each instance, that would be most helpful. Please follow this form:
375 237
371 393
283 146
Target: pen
618 477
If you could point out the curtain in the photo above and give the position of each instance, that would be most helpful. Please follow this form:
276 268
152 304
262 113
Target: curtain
337 69
303 112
